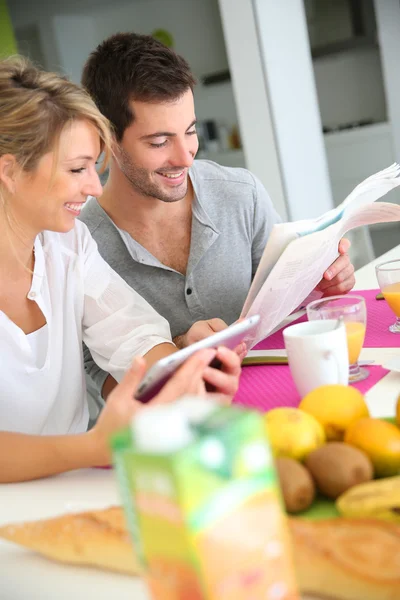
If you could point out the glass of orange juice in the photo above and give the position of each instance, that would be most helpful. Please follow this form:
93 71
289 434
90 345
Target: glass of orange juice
388 275
353 310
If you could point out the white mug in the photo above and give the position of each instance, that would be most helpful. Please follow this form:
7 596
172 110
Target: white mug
317 354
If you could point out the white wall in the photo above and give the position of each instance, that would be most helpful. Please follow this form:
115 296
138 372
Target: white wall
350 87
41 17
388 24
294 106
197 31
72 30
194 24
250 85
73 56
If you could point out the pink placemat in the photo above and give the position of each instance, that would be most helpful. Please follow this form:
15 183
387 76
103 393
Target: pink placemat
379 317
268 386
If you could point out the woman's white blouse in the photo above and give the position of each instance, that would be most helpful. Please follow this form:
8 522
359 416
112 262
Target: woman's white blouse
82 299
38 345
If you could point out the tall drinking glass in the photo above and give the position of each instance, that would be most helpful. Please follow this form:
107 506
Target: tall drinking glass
354 312
388 275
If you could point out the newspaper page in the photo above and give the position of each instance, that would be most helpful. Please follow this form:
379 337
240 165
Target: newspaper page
281 236
309 252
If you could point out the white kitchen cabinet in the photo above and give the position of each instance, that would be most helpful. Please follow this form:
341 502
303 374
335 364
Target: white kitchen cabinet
355 154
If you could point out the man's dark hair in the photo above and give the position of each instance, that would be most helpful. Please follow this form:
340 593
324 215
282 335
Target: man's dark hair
129 66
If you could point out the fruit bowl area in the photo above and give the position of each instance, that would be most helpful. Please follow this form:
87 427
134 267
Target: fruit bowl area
333 459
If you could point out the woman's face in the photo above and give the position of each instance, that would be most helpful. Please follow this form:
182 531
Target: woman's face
52 196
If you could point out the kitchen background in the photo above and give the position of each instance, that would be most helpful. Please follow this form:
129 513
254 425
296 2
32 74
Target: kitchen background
346 60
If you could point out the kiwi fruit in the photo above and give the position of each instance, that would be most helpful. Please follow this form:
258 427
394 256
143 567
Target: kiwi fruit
297 486
337 466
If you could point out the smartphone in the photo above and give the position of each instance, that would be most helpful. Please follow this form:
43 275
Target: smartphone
162 370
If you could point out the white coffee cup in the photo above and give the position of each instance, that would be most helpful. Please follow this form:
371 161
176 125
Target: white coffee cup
317 354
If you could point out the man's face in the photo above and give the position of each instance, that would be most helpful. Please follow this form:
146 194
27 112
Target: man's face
158 148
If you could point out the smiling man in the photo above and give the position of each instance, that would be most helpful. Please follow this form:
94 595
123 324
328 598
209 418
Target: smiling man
187 235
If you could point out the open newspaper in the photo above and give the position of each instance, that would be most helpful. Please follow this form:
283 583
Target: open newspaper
297 254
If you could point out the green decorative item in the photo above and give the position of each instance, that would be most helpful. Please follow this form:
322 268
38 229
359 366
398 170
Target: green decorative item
163 36
8 44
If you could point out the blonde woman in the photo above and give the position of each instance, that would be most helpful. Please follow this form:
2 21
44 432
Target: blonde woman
56 291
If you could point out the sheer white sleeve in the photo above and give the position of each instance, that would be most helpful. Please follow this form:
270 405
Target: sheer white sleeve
117 322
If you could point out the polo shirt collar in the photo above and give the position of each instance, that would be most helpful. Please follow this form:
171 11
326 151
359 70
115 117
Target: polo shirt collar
203 235
204 232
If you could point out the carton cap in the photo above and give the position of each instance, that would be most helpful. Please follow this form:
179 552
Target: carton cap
196 408
161 429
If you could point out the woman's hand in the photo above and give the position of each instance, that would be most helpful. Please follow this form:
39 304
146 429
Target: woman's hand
225 380
24 457
121 406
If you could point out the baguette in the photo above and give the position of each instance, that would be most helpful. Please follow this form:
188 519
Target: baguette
347 559
341 559
94 538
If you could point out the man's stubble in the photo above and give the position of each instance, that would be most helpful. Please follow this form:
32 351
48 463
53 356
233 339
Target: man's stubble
139 179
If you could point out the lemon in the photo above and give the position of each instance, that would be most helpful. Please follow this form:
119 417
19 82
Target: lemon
380 440
336 407
398 411
293 433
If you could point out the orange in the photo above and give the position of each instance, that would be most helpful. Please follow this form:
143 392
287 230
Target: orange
380 440
335 407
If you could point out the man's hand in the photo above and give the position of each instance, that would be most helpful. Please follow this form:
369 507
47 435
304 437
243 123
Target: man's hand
189 379
199 331
225 381
339 278
203 329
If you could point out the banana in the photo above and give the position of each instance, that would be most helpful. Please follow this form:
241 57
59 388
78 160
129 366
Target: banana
378 499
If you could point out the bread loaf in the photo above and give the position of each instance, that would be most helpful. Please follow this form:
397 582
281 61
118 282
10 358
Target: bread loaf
341 559
96 538
347 559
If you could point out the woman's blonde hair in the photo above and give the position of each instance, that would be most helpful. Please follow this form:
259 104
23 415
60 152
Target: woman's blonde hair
35 107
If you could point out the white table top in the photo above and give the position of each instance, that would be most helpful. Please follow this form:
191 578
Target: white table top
382 398
24 575
27 576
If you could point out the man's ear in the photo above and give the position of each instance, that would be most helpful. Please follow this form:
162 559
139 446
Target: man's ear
9 170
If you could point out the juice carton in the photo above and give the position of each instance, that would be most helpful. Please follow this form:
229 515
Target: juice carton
203 504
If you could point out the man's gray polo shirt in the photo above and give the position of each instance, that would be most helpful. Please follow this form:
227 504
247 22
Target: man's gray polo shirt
232 218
